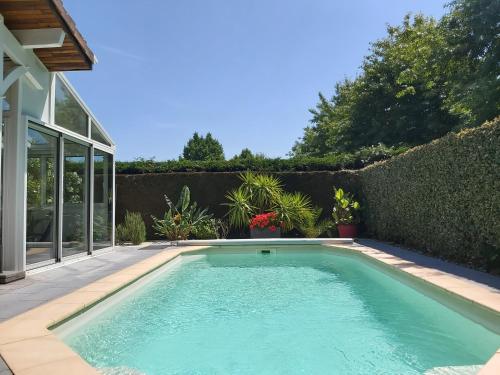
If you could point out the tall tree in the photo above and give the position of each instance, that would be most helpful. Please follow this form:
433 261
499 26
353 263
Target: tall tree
424 79
472 29
203 148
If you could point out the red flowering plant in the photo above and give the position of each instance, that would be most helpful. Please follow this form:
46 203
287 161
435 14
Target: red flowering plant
268 220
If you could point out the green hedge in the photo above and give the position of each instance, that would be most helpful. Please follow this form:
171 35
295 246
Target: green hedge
335 162
443 197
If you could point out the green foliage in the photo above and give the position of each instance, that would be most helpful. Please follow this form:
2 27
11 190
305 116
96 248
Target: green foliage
312 226
203 148
424 79
181 219
132 229
240 208
292 209
442 198
261 193
345 208
332 162
472 55
262 190
247 155
210 229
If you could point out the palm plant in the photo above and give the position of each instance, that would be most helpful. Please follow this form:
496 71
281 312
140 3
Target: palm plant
240 207
312 226
262 189
292 209
260 193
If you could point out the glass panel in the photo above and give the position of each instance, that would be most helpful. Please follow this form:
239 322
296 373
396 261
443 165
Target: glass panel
68 112
96 135
75 207
41 197
103 199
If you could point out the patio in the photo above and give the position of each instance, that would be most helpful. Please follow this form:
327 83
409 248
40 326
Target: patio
42 286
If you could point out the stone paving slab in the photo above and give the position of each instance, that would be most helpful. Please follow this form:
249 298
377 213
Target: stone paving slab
41 287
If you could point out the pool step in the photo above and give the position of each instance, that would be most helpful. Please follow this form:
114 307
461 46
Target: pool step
454 370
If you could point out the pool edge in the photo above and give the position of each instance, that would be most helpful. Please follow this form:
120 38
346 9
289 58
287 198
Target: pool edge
29 347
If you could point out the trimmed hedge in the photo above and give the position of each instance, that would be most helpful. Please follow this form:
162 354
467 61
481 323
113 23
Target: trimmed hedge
442 198
336 162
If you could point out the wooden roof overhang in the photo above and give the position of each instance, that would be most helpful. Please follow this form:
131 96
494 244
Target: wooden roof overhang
74 54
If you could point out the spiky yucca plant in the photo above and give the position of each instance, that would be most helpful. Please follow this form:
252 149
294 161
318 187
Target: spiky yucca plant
260 193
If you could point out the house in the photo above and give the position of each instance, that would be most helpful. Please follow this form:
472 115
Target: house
57 161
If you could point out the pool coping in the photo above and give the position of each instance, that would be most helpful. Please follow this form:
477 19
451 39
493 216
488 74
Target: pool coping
29 347
267 241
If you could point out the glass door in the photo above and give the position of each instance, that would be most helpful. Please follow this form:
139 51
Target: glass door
103 199
41 223
75 199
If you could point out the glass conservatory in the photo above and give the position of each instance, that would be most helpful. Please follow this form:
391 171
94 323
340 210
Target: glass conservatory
56 160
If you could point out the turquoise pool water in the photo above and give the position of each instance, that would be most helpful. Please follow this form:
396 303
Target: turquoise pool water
285 313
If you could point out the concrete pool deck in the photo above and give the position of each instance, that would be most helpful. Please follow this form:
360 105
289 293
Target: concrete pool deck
29 347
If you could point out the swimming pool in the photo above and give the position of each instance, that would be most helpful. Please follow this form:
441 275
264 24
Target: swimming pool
302 311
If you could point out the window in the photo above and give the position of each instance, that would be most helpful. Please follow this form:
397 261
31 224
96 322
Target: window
75 205
41 196
68 112
96 135
103 199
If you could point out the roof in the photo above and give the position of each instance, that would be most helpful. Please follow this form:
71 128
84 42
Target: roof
74 54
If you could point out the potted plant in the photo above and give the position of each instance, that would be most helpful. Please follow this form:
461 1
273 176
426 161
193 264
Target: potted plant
261 197
265 225
345 213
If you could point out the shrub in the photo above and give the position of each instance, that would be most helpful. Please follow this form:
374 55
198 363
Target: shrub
181 219
132 229
443 197
210 229
313 226
333 162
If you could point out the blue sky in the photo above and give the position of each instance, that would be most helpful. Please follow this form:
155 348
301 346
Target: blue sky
246 71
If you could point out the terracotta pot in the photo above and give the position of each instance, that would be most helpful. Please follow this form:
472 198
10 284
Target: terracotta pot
265 233
347 230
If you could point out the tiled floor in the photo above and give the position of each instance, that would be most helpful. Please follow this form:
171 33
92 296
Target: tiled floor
38 288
